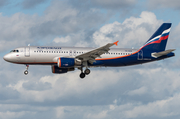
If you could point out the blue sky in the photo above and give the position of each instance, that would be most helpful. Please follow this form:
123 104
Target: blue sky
13 7
144 91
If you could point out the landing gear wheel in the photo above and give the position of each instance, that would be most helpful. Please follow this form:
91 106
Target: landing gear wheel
26 72
87 71
82 75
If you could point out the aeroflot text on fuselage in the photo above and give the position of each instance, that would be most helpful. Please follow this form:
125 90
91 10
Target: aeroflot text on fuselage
65 59
48 47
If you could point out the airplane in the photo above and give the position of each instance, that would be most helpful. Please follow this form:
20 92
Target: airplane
65 59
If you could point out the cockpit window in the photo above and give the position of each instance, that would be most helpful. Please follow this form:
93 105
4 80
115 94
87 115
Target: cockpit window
14 50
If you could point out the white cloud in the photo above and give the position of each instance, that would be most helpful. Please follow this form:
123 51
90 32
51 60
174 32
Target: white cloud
59 19
139 91
62 39
175 36
97 96
14 30
160 108
133 32
143 91
71 85
10 115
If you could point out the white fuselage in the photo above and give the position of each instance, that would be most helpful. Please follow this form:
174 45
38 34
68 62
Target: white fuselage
49 55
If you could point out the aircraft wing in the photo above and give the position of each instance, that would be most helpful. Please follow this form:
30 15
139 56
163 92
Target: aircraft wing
93 54
162 53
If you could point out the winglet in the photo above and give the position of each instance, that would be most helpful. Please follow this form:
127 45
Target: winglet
116 43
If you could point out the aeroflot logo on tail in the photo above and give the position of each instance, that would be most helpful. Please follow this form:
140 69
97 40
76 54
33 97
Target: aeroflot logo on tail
48 47
161 37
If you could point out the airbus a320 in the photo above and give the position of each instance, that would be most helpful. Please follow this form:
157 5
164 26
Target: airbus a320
65 59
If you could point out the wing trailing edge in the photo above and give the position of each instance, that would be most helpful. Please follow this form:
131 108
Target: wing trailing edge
93 54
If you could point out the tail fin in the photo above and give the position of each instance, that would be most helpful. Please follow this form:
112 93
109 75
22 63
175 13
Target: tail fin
158 40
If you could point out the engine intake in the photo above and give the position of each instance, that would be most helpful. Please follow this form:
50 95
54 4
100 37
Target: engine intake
65 62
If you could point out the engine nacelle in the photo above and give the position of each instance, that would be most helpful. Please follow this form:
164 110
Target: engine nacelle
57 70
64 62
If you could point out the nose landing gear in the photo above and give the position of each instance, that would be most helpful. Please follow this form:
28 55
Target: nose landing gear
26 71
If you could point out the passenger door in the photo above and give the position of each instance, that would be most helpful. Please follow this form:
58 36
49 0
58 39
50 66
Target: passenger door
27 51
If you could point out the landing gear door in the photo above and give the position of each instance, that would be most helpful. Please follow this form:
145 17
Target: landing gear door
140 55
27 51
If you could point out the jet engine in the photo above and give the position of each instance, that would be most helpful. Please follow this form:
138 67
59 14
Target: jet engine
57 70
64 62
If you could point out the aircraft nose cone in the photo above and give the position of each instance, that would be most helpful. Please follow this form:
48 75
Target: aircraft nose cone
7 57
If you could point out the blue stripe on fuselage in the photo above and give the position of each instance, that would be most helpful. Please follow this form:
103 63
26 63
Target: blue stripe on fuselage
129 60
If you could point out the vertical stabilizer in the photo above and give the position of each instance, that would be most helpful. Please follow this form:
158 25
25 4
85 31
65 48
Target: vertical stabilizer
158 40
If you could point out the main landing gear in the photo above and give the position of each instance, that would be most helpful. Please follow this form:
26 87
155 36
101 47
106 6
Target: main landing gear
86 72
26 71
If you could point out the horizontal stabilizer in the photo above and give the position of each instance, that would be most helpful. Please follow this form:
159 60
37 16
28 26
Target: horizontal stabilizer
159 54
